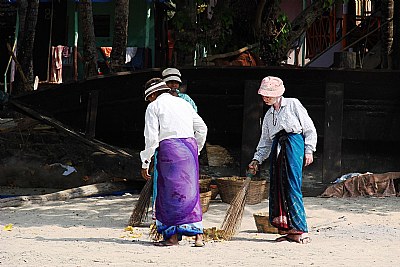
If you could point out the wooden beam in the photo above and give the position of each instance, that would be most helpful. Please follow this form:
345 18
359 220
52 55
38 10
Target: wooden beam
252 116
91 114
78 192
332 159
103 147
19 68
230 54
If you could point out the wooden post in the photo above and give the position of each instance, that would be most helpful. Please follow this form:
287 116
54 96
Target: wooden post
345 60
252 116
332 159
75 62
91 114
76 42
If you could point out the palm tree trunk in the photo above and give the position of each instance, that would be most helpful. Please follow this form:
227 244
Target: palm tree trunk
386 32
396 36
258 17
22 7
120 38
89 40
185 58
25 53
267 34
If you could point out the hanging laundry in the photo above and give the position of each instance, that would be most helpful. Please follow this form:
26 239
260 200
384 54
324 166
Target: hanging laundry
130 53
56 66
106 50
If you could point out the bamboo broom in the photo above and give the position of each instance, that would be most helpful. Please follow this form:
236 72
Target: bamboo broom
234 214
140 211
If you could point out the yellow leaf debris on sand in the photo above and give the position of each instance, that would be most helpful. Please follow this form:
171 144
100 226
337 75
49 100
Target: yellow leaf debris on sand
213 234
129 229
132 232
8 227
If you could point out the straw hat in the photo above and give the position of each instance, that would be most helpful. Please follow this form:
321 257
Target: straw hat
154 85
171 74
271 87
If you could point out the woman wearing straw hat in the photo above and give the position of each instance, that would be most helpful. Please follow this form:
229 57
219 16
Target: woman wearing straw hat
172 77
177 132
289 139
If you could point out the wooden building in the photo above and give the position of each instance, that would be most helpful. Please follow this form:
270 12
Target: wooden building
356 112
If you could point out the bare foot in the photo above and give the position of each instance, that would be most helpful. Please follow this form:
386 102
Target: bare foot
172 241
301 239
199 242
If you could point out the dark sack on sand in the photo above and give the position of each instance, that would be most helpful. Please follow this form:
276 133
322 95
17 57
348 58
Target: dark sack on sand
364 185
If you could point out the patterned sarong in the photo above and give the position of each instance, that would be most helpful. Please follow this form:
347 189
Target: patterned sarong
178 208
286 206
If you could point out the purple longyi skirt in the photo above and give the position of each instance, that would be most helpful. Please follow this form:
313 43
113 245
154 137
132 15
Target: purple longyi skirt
178 199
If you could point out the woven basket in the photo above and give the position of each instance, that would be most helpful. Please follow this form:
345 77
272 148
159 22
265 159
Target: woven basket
229 186
205 198
204 183
263 224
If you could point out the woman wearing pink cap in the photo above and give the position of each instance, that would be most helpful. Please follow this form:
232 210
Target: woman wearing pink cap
289 139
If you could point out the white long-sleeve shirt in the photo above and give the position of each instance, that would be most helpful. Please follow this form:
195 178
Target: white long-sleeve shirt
291 117
170 117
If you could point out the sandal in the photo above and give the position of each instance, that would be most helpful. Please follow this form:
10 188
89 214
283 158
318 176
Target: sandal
199 243
164 244
305 240
283 238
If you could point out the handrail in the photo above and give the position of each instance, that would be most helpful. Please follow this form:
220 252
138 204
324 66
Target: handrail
346 35
13 51
368 34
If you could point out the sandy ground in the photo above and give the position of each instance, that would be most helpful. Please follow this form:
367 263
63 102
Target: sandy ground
90 232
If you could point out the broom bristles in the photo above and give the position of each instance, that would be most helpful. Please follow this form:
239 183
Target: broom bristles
234 214
140 211
153 234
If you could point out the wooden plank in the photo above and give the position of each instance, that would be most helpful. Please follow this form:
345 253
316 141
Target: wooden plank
103 147
78 192
91 114
252 116
332 159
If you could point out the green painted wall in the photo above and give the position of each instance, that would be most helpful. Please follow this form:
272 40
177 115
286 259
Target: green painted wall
140 29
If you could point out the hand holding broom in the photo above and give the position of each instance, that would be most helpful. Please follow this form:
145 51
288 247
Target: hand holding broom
234 214
253 167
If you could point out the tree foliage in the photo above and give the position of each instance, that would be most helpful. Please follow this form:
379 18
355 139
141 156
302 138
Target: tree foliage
197 26
235 24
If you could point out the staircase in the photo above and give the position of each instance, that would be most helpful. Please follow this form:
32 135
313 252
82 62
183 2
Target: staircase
364 39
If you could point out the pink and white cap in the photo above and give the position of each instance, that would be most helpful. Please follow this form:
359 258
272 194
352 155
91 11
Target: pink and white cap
271 87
